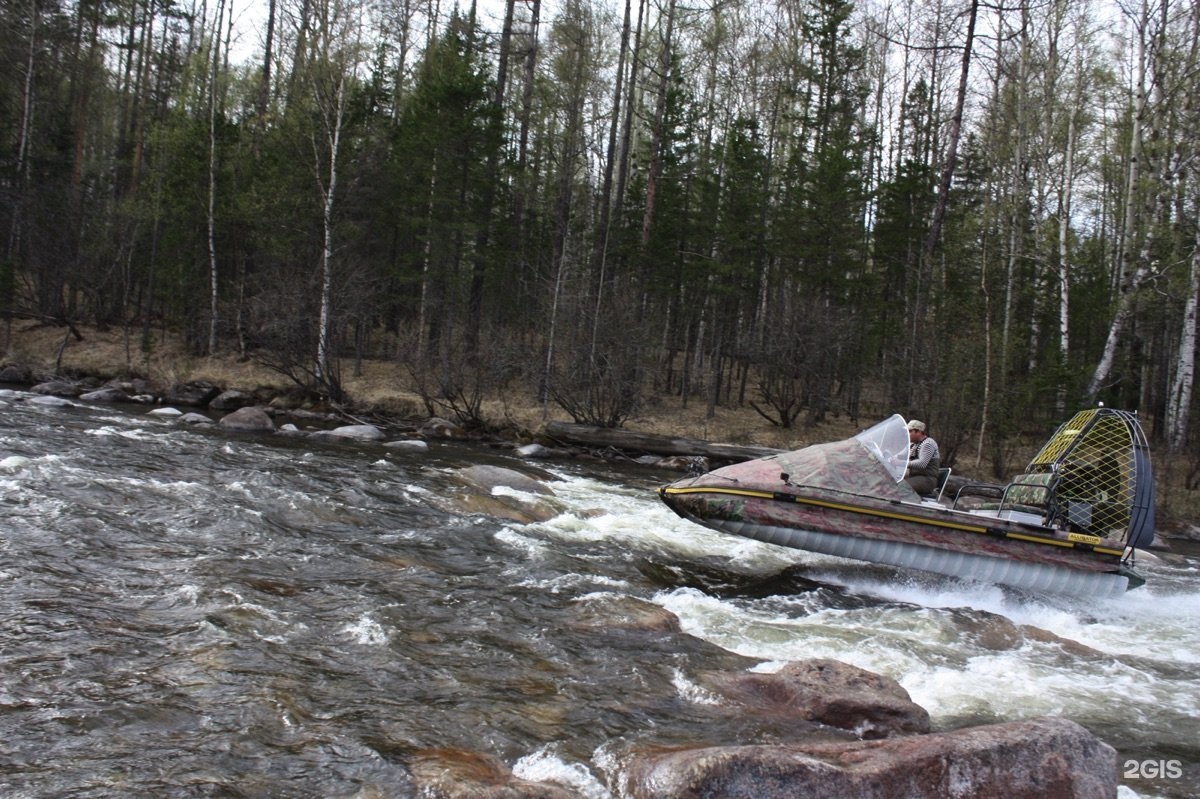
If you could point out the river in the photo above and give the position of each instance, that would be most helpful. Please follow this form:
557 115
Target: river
186 611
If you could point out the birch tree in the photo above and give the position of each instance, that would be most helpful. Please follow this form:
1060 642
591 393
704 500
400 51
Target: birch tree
1179 397
214 110
339 49
1187 91
1066 193
24 131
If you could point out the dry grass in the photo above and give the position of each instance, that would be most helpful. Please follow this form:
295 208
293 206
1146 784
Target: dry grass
383 387
109 353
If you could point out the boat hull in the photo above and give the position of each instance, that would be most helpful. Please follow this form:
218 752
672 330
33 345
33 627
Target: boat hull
915 535
1029 576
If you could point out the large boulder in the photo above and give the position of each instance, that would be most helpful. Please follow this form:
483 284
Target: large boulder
249 420
1018 760
194 418
106 394
829 692
231 400
11 373
194 394
436 427
57 388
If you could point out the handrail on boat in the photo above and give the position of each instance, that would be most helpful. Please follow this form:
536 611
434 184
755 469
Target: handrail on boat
1032 493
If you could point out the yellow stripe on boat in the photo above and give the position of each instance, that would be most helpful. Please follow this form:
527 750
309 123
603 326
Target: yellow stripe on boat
982 530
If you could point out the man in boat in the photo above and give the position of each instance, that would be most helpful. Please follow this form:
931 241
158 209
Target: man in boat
924 460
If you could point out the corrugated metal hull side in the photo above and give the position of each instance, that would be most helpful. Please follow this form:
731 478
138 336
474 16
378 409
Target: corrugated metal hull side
1024 575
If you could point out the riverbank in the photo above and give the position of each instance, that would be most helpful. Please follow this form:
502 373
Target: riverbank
382 389
383 392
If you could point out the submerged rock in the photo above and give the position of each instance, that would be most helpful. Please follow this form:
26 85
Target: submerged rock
481 483
487 478
510 509
460 774
611 612
50 400
356 432
408 445
989 630
13 463
829 692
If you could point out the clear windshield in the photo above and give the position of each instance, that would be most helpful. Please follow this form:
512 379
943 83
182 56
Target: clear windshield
888 443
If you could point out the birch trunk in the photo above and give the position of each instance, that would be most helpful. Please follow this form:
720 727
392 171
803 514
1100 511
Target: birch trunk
1064 229
339 50
548 367
1179 397
1179 400
423 310
21 168
334 135
1064 255
213 275
1018 192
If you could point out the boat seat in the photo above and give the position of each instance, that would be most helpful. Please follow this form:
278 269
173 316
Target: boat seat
1032 493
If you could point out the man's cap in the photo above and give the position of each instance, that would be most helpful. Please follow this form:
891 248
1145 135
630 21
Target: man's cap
915 425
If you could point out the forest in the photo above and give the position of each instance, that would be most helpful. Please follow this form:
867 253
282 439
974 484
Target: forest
981 213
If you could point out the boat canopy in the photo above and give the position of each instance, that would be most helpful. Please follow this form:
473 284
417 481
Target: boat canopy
870 464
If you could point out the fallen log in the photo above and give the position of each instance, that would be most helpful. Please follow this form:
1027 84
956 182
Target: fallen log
635 443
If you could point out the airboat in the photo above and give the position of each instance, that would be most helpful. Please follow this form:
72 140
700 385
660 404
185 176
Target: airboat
1071 523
